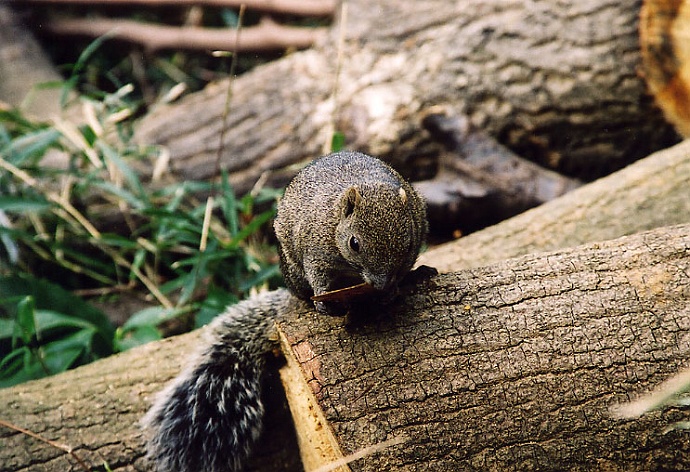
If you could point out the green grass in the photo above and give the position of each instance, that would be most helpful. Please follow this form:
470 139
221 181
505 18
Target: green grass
92 225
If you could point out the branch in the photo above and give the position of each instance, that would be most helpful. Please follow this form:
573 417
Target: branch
267 36
290 7
650 193
63 447
481 182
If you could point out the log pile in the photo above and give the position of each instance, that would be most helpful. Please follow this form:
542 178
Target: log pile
517 355
510 366
559 84
581 89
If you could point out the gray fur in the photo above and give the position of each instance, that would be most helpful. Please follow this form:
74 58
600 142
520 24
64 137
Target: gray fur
209 416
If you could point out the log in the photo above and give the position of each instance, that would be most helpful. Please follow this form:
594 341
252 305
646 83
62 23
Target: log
666 58
556 82
650 193
513 366
480 182
95 410
23 67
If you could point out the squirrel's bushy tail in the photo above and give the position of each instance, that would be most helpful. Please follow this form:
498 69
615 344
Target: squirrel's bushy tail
209 417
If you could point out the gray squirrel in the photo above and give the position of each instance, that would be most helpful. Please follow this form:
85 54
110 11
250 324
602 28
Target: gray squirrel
345 219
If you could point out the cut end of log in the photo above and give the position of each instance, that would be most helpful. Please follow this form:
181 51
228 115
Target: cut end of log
317 443
665 48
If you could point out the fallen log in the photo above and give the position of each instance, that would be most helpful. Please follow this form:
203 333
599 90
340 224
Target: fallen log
558 83
94 412
24 66
513 366
650 193
480 182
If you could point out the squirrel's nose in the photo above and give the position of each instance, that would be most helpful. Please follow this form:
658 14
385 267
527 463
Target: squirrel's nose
380 282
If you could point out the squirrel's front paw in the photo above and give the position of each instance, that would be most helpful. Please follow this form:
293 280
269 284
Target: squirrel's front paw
419 275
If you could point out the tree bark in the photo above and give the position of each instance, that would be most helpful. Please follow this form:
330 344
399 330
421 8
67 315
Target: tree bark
480 182
508 367
514 366
555 82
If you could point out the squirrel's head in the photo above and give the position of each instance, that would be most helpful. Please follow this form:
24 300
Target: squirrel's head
380 231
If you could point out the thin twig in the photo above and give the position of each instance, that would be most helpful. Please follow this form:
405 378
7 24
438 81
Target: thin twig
57 445
228 95
266 36
290 7
328 144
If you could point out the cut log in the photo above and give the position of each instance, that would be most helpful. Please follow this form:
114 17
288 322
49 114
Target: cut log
95 410
664 35
509 367
556 82
479 181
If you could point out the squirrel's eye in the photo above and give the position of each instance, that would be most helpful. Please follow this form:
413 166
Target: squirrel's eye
354 243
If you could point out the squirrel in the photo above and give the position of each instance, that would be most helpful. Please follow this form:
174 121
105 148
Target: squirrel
346 218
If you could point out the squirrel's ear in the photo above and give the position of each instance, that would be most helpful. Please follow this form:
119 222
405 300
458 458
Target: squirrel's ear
351 199
403 195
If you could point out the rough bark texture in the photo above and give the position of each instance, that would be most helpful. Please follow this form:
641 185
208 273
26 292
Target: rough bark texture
508 367
94 409
555 81
647 194
514 366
